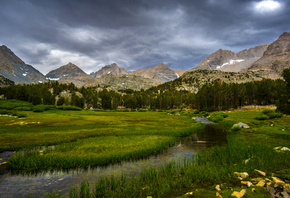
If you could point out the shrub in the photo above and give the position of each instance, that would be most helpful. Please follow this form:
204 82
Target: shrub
125 110
236 128
204 113
69 108
142 110
262 117
133 110
38 109
21 115
22 108
267 111
4 112
218 116
275 115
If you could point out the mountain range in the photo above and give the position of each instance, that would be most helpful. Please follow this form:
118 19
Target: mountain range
267 60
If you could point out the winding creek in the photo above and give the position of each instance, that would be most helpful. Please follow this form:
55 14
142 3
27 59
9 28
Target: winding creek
38 184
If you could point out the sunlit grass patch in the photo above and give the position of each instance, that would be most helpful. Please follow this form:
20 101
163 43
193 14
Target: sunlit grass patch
91 152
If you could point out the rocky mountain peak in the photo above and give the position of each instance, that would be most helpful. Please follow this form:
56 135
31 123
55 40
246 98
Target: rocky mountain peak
112 69
275 59
217 60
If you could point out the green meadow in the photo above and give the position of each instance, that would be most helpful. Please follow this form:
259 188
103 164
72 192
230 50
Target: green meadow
87 138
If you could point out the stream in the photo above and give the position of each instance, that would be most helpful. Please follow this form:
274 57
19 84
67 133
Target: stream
39 184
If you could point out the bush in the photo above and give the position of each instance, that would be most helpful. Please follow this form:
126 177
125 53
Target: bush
275 115
21 115
38 109
204 113
142 110
69 108
126 110
262 117
267 111
4 112
218 116
133 110
236 128
22 108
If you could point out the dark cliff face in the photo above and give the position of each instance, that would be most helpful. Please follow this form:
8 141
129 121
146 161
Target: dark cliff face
13 68
276 58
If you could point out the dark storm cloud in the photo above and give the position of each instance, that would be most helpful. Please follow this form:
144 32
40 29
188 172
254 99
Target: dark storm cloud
136 33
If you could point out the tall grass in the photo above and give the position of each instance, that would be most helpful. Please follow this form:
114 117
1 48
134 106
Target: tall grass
91 152
214 166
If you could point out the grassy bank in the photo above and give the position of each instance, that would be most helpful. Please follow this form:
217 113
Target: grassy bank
215 166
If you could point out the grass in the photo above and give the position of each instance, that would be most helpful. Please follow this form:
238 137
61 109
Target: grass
88 138
55 127
215 166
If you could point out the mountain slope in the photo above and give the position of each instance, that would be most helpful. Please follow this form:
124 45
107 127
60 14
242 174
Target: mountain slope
249 56
160 73
112 69
71 73
218 60
194 80
275 59
13 68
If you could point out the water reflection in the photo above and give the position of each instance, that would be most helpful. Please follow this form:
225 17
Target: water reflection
18 185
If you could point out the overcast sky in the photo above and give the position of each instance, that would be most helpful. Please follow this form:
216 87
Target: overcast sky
136 34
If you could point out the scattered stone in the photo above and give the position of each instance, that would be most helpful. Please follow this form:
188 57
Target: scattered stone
285 194
242 175
260 172
247 183
261 183
239 194
278 181
271 190
256 179
149 197
218 188
285 149
242 125
218 195
247 160
253 190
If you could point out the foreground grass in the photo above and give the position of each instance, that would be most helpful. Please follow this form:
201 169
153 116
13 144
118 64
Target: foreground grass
215 166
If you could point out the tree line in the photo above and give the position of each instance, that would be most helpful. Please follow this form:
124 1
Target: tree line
211 97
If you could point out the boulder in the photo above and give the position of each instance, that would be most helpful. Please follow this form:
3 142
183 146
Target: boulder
242 125
218 195
261 183
278 181
261 172
247 183
218 188
240 194
242 175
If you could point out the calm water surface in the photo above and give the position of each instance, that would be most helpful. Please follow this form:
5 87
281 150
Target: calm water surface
19 185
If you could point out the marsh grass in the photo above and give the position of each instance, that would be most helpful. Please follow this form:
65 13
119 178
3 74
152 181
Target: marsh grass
91 152
211 167
88 138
